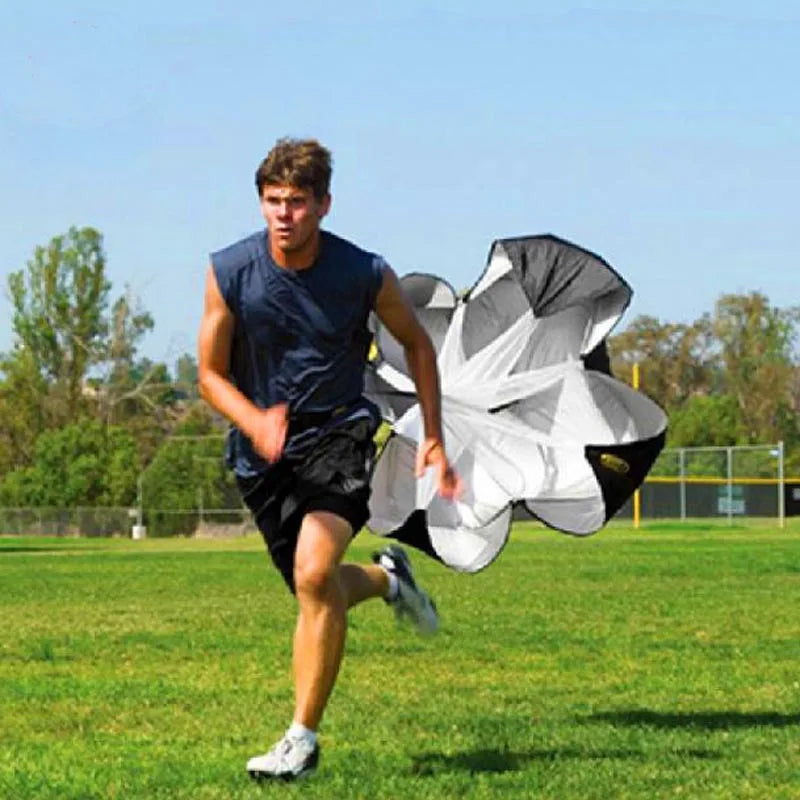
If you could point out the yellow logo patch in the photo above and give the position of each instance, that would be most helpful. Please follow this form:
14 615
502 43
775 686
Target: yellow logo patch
615 463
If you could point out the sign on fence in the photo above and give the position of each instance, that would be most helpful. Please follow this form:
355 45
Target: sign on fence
731 503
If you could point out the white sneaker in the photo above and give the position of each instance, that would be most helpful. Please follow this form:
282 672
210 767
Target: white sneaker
411 602
289 760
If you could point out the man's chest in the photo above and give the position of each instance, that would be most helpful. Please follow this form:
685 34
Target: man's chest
288 312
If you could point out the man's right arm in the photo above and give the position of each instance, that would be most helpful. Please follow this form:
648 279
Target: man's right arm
266 428
396 313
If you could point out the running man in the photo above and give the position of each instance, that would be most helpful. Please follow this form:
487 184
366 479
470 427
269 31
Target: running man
282 347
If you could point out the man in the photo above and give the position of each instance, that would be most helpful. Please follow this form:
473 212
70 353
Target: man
282 348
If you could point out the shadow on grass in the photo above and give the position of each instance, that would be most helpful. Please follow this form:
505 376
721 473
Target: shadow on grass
46 549
485 760
694 527
702 720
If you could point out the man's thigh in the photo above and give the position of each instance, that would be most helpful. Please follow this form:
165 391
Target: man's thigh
326 492
321 544
269 497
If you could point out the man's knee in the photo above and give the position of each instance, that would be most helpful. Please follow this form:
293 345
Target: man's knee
315 577
322 541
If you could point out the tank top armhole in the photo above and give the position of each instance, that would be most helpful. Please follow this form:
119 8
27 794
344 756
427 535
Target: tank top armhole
379 266
225 274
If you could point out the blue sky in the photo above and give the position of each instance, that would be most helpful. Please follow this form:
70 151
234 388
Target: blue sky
663 135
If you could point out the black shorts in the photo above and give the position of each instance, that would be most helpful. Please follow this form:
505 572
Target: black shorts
332 475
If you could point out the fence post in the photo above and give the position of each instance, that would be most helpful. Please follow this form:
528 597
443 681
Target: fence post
139 531
781 488
637 495
140 500
682 469
729 452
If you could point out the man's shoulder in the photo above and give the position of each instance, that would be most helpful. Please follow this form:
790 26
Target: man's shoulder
343 248
241 253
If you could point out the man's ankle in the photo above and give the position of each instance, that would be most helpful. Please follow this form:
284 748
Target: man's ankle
394 587
301 733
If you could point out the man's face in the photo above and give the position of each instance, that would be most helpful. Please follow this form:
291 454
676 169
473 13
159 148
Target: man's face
292 215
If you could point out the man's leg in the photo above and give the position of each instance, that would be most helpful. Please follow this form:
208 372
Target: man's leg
362 582
325 590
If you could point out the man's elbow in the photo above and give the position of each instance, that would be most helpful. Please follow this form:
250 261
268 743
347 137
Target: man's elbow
420 346
207 379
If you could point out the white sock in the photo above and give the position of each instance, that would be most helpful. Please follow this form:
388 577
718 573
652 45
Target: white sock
300 733
394 588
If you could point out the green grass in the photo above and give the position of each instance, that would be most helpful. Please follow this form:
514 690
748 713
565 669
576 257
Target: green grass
656 663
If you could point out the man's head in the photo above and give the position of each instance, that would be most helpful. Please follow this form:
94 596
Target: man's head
302 163
293 184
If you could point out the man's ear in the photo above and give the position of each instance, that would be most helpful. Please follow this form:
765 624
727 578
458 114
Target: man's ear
325 205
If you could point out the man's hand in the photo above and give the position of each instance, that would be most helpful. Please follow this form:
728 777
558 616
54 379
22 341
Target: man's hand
431 454
267 431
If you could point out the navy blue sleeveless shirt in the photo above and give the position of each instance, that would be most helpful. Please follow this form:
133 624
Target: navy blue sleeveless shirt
300 336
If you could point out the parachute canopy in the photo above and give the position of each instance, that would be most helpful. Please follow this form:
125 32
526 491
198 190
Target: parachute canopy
529 413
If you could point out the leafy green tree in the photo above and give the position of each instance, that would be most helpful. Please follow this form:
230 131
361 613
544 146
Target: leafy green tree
22 413
123 386
58 317
136 392
186 376
83 464
188 472
793 447
704 421
73 357
676 361
730 377
757 351
129 322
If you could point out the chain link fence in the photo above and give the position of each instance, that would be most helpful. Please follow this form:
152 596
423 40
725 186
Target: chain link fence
727 483
203 523
65 521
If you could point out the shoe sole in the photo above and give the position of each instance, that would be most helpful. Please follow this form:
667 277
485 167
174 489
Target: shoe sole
421 600
286 777
417 618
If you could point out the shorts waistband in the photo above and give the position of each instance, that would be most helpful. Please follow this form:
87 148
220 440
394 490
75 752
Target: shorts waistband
312 419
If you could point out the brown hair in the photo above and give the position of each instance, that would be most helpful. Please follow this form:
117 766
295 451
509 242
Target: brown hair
302 163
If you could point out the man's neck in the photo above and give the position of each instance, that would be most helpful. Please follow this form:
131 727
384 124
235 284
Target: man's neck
301 258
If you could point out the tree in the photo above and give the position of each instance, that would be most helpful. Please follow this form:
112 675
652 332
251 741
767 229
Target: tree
150 408
188 471
22 413
186 376
728 378
83 464
128 324
704 421
72 356
676 361
756 342
58 318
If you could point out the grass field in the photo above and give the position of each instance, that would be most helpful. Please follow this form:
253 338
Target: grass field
656 663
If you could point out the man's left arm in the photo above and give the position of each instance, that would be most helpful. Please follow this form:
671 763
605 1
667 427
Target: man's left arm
396 313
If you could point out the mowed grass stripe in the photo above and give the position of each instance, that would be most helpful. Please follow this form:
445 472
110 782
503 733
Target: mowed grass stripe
635 664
